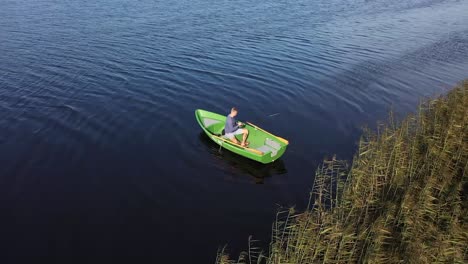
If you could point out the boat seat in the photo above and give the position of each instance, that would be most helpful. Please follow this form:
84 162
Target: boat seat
266 149
270 146
272 143
208 122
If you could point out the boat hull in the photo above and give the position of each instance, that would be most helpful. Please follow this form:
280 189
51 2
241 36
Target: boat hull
264 147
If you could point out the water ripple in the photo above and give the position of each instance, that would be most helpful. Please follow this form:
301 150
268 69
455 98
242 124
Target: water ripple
97 98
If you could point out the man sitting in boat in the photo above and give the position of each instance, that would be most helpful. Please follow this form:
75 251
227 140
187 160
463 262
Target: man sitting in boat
233 128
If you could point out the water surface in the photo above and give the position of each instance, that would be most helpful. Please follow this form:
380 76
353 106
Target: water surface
100 151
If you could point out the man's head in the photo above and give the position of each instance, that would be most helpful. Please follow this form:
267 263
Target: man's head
233 112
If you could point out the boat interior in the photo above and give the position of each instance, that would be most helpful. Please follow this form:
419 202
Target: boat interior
258 139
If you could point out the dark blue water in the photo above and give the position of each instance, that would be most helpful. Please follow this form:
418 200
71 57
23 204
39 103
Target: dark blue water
102 159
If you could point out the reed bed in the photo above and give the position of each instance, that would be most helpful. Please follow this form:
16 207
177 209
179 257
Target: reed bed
402 200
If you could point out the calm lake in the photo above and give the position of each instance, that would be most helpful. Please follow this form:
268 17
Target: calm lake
102 158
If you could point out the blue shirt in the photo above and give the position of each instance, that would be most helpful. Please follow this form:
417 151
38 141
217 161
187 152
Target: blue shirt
231 125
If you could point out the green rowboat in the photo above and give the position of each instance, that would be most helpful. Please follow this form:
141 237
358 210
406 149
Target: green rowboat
264 147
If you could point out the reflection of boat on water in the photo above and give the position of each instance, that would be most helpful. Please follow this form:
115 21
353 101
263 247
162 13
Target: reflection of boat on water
257 170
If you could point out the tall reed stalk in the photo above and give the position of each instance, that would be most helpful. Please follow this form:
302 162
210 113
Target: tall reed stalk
404 199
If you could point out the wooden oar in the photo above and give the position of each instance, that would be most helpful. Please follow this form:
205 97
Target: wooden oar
237 145
279 138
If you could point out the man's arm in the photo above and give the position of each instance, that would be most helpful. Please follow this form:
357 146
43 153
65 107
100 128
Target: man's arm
235 126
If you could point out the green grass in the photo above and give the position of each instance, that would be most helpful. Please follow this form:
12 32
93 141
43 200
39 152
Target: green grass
402 200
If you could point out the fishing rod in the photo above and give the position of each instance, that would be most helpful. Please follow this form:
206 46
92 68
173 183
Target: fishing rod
265 117
262 119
